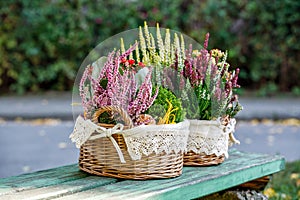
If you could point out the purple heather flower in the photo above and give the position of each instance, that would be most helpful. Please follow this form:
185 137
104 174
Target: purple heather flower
235 78
114 88
206 41
84 91
143 99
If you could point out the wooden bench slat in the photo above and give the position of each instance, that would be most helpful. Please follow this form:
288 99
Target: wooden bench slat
58 190
70 183
195 181
40 174
40 179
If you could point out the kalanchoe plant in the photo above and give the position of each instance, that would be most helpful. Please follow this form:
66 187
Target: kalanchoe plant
116 85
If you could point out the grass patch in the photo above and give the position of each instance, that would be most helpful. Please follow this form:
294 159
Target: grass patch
285 185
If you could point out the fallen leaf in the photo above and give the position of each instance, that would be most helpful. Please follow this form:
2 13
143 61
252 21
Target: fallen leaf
51 122
254 122
291 122
267 121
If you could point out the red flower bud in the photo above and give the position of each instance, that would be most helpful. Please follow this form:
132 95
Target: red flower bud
141 64
131 61
123 60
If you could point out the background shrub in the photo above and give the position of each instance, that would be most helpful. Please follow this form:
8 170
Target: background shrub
42 43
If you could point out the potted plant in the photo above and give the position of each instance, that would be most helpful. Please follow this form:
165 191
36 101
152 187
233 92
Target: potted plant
121 134
212 121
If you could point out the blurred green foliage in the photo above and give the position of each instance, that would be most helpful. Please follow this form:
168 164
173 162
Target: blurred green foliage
42 43
285 184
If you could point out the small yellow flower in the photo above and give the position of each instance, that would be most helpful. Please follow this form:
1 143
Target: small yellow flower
196 53
217 53
270 192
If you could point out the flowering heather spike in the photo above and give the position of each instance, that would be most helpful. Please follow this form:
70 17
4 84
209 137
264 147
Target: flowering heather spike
182 46
235 78
172 55
228 88
189 52
143 99
157 74
160 44
177 49
84 92
147 35
131 55
167 48
126 89
128 51
133 88
167 78
122 46
143 45
176 42
181 81
152 48
103 72
206 41
137 52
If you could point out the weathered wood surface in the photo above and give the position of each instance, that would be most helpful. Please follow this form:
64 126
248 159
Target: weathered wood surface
69 183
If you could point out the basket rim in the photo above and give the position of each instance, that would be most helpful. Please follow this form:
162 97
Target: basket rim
184 125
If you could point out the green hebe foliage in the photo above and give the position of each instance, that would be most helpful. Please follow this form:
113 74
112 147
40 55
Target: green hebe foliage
160 105
42 43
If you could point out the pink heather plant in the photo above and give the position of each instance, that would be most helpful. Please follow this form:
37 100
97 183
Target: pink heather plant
116 85
208 74
143 99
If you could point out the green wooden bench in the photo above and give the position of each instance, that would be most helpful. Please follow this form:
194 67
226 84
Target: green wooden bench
68 182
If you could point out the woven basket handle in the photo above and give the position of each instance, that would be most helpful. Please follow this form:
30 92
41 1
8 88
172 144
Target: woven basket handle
120 110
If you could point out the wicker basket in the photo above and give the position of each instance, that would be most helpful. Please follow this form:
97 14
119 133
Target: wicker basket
212 141
100 157
194 159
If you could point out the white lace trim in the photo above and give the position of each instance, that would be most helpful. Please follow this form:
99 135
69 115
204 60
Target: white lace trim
140 140
211 137
147 139
83 130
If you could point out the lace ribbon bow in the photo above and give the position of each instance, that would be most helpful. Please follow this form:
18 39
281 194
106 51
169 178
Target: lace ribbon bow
84 129
229 129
